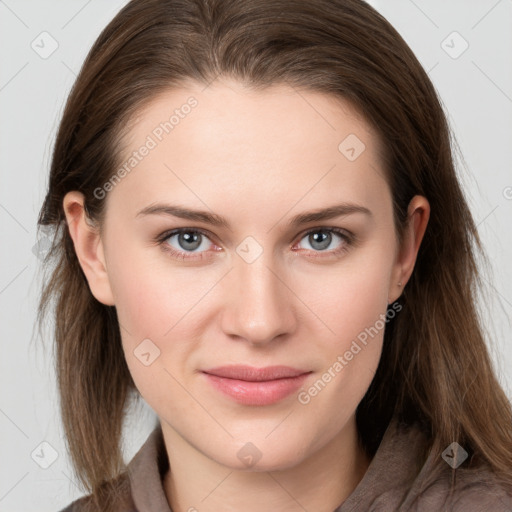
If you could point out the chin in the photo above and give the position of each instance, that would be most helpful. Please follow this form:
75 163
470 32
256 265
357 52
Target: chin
249 458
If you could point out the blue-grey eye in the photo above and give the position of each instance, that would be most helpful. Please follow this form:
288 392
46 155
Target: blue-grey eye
189 241
321 239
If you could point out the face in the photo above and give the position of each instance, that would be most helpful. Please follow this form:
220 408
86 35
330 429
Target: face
260 286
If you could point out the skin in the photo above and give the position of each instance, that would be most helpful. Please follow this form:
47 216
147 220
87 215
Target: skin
257 159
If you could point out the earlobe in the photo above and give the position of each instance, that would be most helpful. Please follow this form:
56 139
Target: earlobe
418 213
88 247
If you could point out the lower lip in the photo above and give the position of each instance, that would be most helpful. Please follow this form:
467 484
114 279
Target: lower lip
257 393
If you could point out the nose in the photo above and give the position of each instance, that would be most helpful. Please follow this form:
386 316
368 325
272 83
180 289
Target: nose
260 306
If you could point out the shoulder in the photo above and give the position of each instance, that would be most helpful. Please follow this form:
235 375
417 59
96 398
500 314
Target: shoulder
436 486
115 497
79 505
407 475
138 484
477 490
481 498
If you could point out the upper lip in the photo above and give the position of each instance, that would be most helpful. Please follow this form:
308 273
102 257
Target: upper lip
250 373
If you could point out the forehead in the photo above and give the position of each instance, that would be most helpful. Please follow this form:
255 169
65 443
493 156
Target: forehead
279 118
255 146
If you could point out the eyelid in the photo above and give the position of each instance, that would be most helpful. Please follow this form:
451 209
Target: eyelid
176 231
334 229
348 237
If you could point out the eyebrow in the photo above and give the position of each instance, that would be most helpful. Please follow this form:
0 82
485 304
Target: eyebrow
317 215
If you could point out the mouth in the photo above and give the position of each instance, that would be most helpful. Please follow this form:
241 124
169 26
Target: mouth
256 386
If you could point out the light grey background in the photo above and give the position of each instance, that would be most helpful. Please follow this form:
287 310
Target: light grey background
476 89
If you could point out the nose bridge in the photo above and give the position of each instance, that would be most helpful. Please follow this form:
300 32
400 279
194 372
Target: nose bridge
260 308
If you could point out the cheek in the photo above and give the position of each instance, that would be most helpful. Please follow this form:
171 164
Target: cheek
354 307
151 295
352 302
158 302
350 297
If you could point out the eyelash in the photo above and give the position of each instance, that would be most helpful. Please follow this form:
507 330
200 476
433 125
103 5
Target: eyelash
348 238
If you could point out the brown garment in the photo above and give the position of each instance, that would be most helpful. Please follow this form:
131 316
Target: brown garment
394 481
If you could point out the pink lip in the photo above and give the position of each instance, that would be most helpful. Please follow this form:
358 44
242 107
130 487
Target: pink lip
256 386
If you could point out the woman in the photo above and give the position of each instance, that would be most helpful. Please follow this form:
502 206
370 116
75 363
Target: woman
260 231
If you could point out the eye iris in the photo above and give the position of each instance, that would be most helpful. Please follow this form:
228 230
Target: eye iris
321 237
191 240
189 237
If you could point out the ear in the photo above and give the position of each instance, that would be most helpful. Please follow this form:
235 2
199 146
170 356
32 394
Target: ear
88 247
418 213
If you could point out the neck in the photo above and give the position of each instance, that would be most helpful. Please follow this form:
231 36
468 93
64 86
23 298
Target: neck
321 482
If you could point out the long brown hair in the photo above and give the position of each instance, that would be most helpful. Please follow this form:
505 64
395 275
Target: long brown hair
435 369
